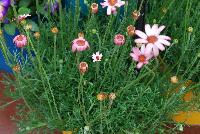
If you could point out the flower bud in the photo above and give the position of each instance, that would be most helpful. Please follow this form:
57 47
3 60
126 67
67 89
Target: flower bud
135 14
101 96
174 79
94 8
54 30
83 67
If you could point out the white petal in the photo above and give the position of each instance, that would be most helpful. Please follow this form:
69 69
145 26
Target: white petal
165 42
149 48
148 29
142 49
141 34
155 51
141 41
109 10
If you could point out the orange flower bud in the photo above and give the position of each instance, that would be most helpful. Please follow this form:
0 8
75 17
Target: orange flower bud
16 68
174 79
112 96
94 8
131 30
83 67
81 34
37 35
135 14
54 30
102 96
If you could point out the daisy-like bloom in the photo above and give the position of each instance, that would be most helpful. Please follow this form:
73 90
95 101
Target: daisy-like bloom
83 67
111 5
79 44
119 40
20 41
4 5
97 57
94 8
23 17
140 56
153 39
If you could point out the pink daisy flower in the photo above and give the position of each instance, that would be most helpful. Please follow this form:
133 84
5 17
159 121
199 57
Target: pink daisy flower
79 44
119 39
140 56
152 38
111 5
97 57
20 41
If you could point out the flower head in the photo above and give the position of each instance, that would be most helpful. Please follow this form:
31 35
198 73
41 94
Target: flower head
79 44
111 5
4 5
20 41
119 40
16 68
153 39
97 57
37 35
94 8
83 67
140 56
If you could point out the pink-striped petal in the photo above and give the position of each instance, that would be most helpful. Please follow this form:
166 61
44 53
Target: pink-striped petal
164 37
165 42
160 46
136 51
149 48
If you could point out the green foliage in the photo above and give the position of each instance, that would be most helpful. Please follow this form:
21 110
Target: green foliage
59 97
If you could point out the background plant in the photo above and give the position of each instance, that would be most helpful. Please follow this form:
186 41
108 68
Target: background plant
50 82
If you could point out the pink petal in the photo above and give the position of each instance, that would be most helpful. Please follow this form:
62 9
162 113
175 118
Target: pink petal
155 51
164 37
160 46
148 29
139 65
136 51
165 42
104 4
141 41
134 56
141 34
74 47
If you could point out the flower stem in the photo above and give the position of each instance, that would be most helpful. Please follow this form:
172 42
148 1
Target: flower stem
55 56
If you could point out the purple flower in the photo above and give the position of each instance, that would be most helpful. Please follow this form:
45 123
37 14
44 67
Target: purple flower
53 5
4 5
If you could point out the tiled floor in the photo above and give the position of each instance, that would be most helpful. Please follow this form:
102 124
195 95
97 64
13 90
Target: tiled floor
9 127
